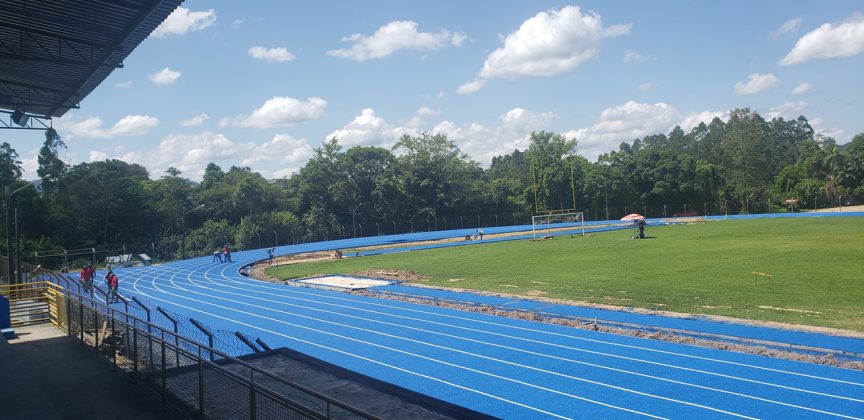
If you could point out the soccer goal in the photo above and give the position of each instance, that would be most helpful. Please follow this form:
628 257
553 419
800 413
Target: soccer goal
543 225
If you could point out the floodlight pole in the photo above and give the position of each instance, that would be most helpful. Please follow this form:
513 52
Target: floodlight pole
606 190
183 230
8 240
8 203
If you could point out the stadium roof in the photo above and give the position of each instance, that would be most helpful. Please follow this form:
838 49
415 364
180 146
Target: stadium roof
53 53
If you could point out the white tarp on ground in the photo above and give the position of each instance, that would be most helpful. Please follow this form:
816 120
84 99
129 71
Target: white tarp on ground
346 282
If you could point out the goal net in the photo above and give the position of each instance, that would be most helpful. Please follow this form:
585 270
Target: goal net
546 224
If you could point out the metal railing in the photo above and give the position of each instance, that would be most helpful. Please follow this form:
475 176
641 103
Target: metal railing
32 303
191 377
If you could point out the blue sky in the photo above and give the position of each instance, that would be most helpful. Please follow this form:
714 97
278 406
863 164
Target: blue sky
260 84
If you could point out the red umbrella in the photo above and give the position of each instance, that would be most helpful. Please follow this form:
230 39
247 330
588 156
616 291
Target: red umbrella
633 216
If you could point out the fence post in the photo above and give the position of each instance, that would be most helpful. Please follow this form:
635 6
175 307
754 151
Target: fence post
173 322
81 321
253 409
95 330
164 380
207 333
69 316
201 389
113 339
134 354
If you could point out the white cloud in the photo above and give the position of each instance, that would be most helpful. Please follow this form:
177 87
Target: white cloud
631 56
238 23
757 83
789 26
195 121
829 41
165 76
183 20
644 87
283 150
692 120
549 43
483 143
281 111
458 39
802 89
271 54
417 120
392 37
128 126
123 85
788 110
191 153
621 123
98 156
368 129
471 87
30 166
834 133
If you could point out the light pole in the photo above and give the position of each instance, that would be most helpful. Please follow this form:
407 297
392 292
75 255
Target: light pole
8 203
277 237
606 191
183 229
353 219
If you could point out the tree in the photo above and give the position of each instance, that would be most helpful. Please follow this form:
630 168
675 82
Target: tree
437 177
549 153
51 167
10 166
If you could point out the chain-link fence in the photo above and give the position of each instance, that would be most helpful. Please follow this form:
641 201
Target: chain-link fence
192 378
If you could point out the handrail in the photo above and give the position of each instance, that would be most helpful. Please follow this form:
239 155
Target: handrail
159 334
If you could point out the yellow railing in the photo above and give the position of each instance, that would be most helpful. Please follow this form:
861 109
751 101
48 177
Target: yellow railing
34 303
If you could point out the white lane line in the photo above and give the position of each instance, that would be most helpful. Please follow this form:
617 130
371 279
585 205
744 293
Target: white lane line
432 378
581 338
194 284
572 337
405 351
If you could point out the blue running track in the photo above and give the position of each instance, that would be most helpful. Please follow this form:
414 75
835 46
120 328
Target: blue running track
504 367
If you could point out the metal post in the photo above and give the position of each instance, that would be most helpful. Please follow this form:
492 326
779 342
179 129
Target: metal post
8 239
253 409
200 388
134 355
81 322
95 330
17 250
606 191
164 384
68 316
113 339
183 233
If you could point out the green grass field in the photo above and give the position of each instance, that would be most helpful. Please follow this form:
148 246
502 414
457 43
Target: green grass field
816 267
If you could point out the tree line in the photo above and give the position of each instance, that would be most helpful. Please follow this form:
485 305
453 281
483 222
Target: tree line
425 182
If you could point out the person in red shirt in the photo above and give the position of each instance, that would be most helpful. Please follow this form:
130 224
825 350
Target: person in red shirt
113 285
87 277
227 253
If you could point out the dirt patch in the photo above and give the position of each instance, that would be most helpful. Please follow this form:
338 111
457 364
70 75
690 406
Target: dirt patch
401 275
822 359
800 311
